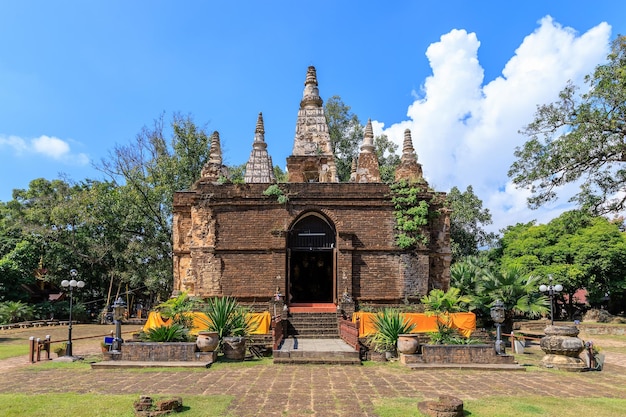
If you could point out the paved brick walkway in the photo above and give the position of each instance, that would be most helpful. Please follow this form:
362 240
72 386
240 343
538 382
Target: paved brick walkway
296 390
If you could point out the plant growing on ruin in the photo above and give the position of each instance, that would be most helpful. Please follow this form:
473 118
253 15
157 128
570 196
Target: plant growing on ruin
275 191
441 304
411 214
173 333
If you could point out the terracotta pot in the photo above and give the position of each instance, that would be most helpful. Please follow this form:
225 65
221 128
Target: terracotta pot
407 344
234 348
207 341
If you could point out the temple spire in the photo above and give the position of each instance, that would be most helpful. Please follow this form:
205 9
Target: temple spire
368 169
312 158
259 167
409 168
214 169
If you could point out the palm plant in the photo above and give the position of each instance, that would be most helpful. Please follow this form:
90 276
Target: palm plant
389 325
14 311
441 304
178 309
173 333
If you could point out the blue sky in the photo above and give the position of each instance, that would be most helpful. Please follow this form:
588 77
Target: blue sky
77 78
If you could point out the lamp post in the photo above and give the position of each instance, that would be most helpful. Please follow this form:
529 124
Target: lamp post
552 290
119 308
497 315
71 284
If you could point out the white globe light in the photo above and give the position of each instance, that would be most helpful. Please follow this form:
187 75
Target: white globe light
72 283
80 284
65 283
543 288
73 273
558 288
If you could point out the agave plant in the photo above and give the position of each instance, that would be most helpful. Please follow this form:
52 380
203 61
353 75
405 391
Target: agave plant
389 325
227 318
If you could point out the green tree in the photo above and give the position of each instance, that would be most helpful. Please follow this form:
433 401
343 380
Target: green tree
150 170
467 220
388 160
346 134
580 138
578 250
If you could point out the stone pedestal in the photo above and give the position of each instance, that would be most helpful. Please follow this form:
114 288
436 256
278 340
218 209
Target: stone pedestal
562 348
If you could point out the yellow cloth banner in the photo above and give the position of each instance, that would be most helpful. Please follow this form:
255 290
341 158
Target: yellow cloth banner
465 323
200 322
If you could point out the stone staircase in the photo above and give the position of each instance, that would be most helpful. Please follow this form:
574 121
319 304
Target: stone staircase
313 325
313 337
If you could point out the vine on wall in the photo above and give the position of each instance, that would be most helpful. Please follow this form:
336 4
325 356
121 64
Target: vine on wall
275 191
410 213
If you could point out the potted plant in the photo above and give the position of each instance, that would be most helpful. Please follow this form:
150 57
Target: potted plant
229 320
389 325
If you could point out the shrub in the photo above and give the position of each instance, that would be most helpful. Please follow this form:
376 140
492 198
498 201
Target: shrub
173 333
389 324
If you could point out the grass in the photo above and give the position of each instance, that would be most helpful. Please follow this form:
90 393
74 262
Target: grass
513 406
8 350
72 404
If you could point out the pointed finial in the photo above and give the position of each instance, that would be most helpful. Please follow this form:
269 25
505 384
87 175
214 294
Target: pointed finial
368 138
311 95
407 146
215 155
259 124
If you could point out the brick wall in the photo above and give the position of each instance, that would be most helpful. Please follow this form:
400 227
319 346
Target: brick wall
232 240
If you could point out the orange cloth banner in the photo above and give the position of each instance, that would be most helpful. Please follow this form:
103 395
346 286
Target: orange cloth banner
465 323
200 322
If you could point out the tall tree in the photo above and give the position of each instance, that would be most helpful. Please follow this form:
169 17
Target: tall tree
346 134
580 138
150 170
467 220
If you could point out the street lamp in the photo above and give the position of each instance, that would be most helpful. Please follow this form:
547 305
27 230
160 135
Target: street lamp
71 284
497 315
552 290
119 308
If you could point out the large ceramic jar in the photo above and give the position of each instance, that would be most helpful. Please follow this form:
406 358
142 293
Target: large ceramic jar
234 348
407 344
207 341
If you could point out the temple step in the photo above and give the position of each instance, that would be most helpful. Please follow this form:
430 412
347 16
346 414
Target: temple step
313 325
294 350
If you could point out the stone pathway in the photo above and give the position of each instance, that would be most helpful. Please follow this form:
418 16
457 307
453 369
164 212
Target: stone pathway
314 390
296 390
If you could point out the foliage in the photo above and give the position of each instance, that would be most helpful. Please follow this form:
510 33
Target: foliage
346 134
275 191
389 324
411 214
580 138
178 309
441 304
227 318
172 333
346 137
15 311
579 250
467 220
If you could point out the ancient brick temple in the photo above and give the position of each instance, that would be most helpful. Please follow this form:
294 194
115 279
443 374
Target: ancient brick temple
315 240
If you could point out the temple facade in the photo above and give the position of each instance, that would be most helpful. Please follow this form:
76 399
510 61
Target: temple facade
313 239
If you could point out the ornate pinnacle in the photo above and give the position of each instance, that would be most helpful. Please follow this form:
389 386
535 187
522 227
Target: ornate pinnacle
407 146
215 156
259 124
368 138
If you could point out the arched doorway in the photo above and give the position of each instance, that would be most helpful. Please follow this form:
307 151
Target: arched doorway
311 261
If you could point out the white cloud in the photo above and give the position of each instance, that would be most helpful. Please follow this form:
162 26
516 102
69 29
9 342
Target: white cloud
50 147
465 132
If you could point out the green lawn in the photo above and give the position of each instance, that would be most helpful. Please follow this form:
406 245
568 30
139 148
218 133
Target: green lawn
514 406
69 405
